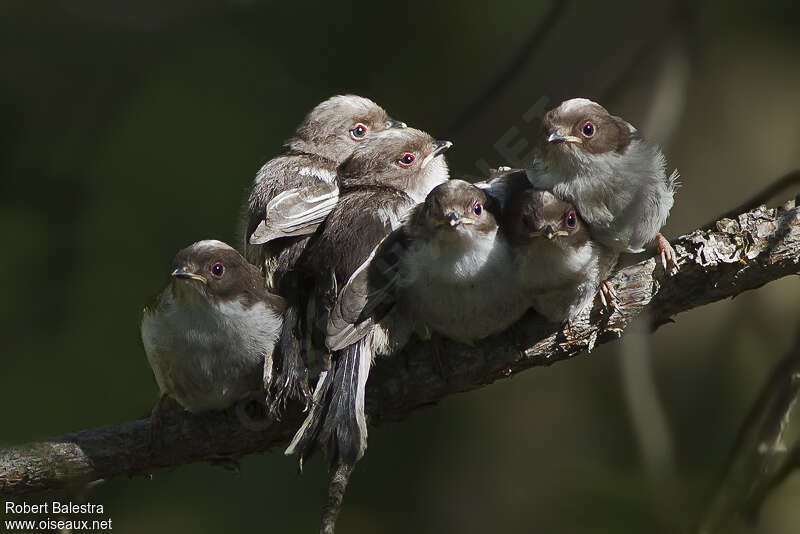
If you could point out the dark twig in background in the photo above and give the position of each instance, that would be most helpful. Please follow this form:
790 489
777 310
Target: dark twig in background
738 255
759 460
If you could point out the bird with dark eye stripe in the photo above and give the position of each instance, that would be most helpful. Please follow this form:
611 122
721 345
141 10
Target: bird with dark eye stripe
615 179
289 198
327 136
379 183
210 334
557 264
437 273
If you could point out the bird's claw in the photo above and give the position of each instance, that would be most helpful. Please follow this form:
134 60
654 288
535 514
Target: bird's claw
669 258
608 295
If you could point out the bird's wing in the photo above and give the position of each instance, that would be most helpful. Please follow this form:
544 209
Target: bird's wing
504 183
370 292
296 212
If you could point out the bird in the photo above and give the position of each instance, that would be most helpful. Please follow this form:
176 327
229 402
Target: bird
375 184
616 180
305 173
290 196
443 271
209 335
557 264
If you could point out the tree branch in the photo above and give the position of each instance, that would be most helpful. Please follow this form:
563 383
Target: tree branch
735 256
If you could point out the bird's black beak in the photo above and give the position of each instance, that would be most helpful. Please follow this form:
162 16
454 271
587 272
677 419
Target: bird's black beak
548 232
556 137
453 219
391 123
184 273
439 147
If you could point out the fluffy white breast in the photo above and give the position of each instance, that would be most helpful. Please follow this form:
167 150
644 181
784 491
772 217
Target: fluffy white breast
625 198
207 354
435 173
463 294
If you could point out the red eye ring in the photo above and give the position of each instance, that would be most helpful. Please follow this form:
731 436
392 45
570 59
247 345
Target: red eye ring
217 270
406 160
588 129
477 209
359 131
571 220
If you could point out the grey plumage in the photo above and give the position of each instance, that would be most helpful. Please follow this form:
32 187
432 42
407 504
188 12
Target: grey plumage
325 138
375 184
210 334
557 265
290 196
444 270
601 164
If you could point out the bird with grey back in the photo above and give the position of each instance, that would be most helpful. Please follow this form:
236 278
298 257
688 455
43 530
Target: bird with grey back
614 178
290 196
557 265
209 335
444 271
376 184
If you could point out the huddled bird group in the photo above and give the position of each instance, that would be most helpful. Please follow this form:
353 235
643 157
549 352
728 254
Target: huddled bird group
357 243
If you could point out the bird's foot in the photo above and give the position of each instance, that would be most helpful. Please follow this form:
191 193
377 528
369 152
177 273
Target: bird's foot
607 294
669 259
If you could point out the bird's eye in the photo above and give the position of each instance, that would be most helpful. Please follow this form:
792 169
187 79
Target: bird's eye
406 160
477 208
588 129
217 270
358 132
571 220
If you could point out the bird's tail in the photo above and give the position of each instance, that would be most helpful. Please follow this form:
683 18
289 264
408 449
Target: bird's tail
344 429
291 381
305 440
337 422
336 489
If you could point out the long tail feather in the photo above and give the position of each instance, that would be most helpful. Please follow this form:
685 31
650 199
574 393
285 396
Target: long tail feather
305 440
344 432
337 422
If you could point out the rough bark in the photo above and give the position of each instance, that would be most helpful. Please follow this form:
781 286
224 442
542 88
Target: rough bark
733 256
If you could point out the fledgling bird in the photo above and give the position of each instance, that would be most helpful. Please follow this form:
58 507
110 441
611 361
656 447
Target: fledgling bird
303 177
557 264
446 270
290 196
210 334
375 184
615 179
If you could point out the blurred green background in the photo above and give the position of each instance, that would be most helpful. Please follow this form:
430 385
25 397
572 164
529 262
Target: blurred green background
131 130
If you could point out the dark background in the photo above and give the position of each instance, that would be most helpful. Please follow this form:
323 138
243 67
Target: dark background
130 131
